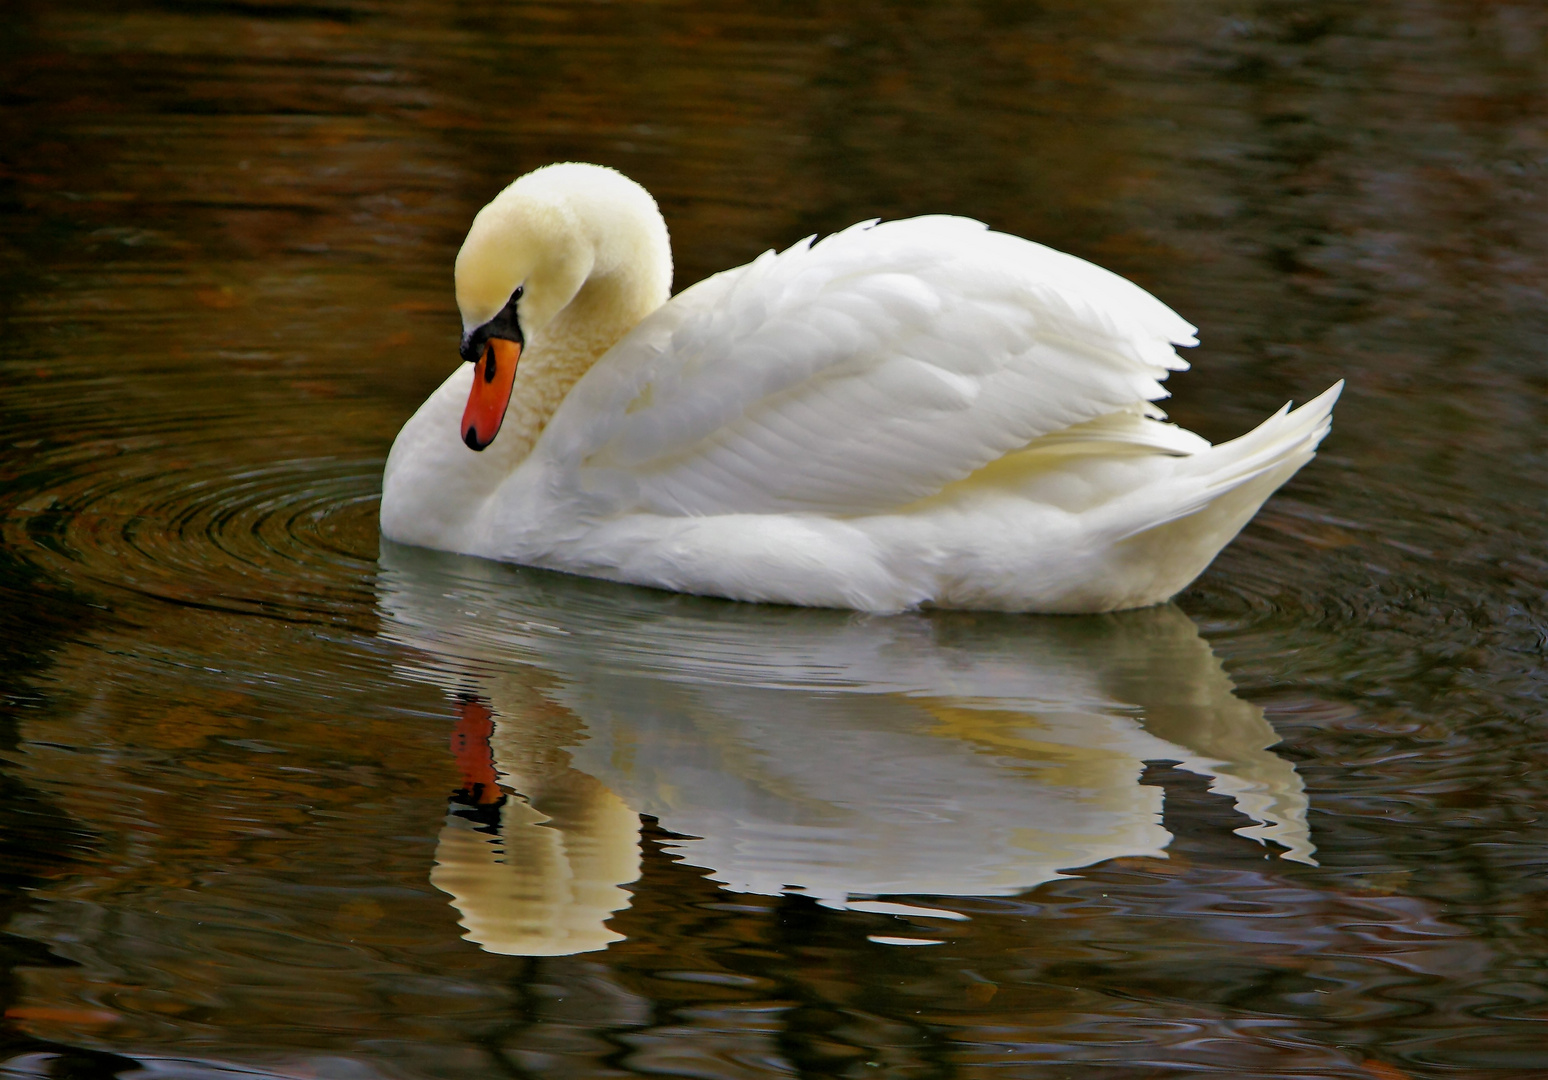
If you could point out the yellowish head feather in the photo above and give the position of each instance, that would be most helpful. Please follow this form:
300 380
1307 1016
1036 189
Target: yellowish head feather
552 230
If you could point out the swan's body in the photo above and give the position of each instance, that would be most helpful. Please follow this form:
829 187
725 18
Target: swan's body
916 412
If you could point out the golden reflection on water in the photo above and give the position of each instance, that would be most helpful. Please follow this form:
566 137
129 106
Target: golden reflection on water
840 757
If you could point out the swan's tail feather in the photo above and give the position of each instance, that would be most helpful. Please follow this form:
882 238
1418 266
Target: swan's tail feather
1159 548
1255 464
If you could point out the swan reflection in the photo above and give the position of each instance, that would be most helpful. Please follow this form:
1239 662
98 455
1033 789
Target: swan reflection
839 755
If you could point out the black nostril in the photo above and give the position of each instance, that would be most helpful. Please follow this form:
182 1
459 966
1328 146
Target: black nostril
489 365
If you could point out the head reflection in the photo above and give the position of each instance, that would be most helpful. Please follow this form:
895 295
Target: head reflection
534 852
844 756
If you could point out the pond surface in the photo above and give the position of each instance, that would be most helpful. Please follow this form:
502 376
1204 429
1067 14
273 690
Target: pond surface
278 800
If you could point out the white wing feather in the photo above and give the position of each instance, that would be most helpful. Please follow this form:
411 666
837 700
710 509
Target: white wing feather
860 373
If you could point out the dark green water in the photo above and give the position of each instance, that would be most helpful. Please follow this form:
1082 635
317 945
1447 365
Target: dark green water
274 802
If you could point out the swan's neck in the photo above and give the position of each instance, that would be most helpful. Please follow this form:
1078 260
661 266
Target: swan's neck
607 307
590 251
434 487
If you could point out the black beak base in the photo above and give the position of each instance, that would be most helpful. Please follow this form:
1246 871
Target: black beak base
504 325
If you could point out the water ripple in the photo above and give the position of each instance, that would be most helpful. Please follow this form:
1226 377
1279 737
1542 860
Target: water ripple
294 538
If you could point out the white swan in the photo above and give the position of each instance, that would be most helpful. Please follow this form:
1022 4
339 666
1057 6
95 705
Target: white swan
908 413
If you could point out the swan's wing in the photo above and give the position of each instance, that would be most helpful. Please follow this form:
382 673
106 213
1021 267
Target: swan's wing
860 373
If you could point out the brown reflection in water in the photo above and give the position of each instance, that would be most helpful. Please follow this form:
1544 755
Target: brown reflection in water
257 885
1325 191
227 237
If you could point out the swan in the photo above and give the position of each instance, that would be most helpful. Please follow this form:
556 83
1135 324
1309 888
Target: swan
908 413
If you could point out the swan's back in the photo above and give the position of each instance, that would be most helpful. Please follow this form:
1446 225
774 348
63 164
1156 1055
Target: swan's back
863 372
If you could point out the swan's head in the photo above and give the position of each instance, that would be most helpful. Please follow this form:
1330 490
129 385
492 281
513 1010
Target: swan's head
529 256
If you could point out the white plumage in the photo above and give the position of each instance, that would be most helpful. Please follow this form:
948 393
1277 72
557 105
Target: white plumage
915 412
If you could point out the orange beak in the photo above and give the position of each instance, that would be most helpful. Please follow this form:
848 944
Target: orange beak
493 377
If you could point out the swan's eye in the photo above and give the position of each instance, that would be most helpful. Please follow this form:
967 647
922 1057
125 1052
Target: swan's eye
489 364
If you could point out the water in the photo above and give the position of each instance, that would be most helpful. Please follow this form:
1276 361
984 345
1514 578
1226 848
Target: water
252 807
